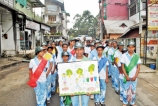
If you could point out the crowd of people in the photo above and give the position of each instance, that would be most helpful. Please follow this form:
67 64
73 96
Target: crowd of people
116 62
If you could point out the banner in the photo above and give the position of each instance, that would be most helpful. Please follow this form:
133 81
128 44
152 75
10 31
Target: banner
78 78
152 14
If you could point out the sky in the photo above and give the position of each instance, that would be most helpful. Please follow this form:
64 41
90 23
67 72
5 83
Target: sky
78 6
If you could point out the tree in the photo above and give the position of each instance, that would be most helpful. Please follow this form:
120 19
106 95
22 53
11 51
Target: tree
84 24
91 68
79 72
69 73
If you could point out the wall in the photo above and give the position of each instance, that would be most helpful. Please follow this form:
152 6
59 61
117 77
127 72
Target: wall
132 34
117 11
114 36
64 25
8 44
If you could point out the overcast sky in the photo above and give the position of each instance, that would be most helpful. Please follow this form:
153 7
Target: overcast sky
78 6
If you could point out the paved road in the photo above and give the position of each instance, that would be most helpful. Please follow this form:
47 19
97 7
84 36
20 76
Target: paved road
15 92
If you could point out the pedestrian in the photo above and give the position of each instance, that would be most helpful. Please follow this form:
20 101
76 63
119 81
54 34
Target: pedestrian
40 89
55 51
49 77
131 67
71 46
30 42
77 100
65 59
111 67
60 50
87 48
93 52
119 74
103 75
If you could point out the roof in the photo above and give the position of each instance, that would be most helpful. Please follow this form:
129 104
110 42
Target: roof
132 27
113 27
60 3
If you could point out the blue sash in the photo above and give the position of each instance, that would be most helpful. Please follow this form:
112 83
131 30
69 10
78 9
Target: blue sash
102 63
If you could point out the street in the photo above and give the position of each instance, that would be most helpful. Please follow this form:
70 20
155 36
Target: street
15 92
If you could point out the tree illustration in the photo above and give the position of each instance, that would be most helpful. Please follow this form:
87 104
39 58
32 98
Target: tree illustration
79 72
91 68
69 73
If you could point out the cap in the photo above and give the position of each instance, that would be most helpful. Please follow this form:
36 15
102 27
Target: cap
97 41
44 44
92 44
65 43
131 43
121 43
100 46
65 54
38 49
49 47
71 39
78 45
124 49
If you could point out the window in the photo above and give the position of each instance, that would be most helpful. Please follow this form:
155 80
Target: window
52 18
132 1
144 6
133 10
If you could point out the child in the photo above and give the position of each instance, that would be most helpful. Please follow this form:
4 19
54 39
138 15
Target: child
40 89
79 50
49 77
131 67
119 73
65 59
93 52
103 74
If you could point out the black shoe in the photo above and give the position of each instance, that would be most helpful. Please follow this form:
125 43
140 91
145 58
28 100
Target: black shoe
48 101
97 104
117 92
102 104
53 93
109 76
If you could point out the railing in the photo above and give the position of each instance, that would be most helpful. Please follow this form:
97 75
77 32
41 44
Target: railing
28 12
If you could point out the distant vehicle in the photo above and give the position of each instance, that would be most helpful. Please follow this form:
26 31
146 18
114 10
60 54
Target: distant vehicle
82 35
82 38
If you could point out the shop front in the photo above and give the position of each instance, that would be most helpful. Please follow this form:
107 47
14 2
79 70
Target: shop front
45 30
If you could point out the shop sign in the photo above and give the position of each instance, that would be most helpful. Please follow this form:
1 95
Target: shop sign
32 25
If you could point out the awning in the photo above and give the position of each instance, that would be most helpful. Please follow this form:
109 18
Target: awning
132 27
37 3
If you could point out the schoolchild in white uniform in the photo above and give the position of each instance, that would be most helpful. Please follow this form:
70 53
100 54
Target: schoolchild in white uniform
103 76
40 89
131 67
119 74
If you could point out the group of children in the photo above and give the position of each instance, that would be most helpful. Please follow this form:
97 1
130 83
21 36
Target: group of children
113 61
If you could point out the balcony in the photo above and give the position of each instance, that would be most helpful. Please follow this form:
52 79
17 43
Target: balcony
9 3
51 23
28 12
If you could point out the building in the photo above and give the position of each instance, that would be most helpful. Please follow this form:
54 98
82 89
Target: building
56 16
113 10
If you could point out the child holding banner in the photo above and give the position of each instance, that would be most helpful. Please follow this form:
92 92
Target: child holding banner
37 75
131 67
64 101
77 100
103 74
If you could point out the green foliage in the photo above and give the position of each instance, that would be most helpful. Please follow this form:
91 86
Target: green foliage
69 73
85 24
91 68
79 72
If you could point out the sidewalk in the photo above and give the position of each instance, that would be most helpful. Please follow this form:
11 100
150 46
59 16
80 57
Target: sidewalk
10 61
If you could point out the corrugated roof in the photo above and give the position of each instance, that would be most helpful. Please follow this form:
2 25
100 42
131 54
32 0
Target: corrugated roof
132 27
113 27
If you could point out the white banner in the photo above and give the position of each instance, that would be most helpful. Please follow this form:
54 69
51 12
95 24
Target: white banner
78 78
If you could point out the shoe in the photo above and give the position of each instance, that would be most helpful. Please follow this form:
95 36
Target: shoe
92 97
48 100
117 92
102 104
53 93
109 76
121 99
97 104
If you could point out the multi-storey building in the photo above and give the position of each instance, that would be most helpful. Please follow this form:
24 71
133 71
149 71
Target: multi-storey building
113 18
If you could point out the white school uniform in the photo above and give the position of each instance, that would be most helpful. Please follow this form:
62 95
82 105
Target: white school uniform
126 58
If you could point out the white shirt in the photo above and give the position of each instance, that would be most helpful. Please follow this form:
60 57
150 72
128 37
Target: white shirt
118 55
34 66
125 60
87 50
102 73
